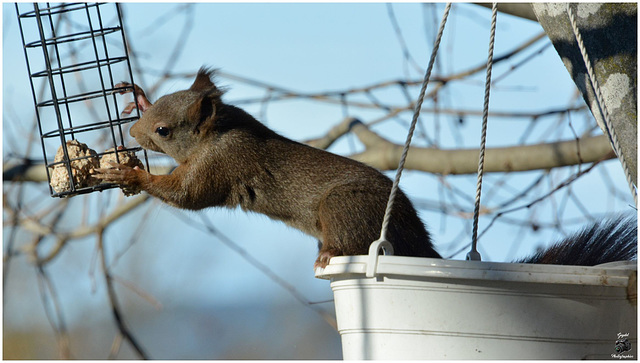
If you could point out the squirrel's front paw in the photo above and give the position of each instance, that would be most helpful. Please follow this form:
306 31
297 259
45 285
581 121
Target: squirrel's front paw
131 180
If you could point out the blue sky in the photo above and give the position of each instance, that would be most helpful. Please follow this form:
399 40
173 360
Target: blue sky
314 48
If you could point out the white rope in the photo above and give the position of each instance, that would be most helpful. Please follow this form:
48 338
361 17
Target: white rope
474 255
396 182
602 105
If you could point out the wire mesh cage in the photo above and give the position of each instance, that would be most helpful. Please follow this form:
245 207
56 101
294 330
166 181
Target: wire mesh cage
77 57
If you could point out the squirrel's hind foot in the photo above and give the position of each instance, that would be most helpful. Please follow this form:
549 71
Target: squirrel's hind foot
323 259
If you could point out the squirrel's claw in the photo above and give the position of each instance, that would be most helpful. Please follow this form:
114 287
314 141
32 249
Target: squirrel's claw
119 174
125 88
323 259
131 180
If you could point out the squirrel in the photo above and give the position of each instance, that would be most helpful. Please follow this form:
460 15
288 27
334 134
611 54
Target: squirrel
228 158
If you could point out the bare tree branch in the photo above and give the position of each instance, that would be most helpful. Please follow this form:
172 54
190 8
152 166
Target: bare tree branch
37 226
385 155
345 125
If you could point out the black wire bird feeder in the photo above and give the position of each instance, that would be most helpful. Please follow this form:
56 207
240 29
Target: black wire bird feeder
76 55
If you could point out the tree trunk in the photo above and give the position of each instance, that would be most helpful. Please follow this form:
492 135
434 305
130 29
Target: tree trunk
609 32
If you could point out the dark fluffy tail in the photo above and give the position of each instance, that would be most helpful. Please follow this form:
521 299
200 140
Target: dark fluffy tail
605 241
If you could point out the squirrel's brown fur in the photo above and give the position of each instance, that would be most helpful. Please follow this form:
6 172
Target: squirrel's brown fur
227 158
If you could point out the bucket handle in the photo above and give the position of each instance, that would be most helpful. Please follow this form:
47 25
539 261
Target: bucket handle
374 251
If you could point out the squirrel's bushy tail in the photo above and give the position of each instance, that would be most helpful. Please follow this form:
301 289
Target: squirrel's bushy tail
606 241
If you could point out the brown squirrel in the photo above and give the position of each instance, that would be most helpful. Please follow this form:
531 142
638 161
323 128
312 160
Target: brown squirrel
227 158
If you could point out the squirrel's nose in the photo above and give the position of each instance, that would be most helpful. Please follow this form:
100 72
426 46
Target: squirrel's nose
134 130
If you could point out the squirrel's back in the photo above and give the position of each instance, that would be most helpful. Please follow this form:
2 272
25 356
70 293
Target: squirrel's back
605 241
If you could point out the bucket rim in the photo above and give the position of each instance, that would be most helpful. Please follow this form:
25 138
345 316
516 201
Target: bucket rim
611 274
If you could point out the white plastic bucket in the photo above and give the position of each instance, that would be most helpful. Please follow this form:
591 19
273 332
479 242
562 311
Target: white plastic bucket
423 308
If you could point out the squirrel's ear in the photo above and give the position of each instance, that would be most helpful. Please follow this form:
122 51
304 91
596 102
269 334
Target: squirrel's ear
203 81
202 113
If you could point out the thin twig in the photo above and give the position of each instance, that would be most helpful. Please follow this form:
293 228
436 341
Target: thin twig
208 227
113 301
530 204
403 45
58 323
115 346
138 291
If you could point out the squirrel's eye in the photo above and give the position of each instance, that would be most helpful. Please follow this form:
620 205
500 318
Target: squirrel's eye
163 131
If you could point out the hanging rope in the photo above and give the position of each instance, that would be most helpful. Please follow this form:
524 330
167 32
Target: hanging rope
474 255
396 182
601 104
